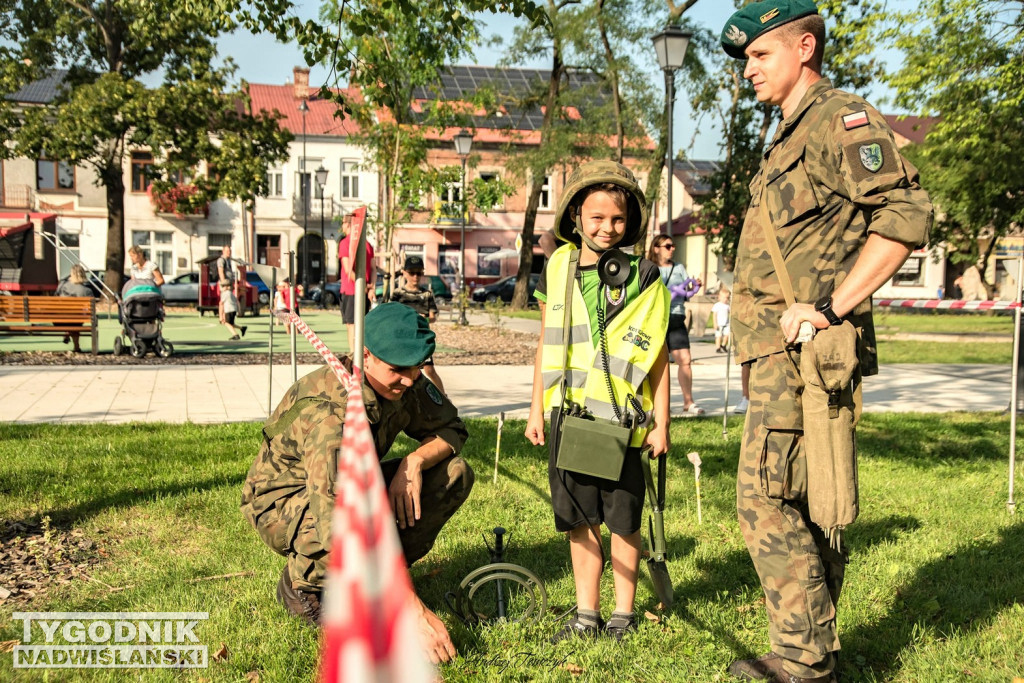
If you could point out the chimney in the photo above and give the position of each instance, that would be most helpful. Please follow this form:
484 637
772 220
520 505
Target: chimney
301 82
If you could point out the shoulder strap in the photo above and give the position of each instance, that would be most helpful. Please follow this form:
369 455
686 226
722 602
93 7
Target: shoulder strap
773 248
570 280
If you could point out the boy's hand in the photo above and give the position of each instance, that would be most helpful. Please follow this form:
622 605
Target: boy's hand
535 429
657 441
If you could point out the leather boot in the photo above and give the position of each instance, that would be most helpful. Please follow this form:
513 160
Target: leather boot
769 668
299 603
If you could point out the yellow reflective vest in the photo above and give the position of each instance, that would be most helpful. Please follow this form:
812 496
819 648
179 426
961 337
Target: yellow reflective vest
634 337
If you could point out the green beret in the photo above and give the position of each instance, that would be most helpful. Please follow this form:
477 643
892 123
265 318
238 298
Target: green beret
398 335
758 18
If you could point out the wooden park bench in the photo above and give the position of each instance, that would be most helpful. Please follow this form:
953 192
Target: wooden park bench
48 315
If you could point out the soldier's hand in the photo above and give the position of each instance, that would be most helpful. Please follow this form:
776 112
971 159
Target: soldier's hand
404 492
796 314
434 637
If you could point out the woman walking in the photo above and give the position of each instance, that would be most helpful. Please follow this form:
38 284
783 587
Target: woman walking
673 274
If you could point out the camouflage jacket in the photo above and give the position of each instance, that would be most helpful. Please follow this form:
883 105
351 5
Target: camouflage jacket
302 450
830 176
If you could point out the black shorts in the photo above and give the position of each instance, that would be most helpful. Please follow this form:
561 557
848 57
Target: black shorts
348 308
230 317
678 337
578 499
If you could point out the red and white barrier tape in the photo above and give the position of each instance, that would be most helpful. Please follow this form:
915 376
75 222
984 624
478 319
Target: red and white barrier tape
947 304
369 614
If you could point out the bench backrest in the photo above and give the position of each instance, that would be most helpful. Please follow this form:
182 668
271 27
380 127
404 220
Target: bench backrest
32 309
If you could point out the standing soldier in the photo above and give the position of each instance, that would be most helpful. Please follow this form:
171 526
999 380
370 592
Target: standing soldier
842 210
288 494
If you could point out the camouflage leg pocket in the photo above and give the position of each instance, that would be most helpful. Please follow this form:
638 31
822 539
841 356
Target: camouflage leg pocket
782 468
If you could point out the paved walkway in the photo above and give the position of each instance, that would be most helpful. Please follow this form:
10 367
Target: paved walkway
239 393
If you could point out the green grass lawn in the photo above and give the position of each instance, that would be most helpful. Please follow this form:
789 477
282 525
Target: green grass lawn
971 322
934 588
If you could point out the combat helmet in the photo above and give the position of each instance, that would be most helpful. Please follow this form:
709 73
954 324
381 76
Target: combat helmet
596 173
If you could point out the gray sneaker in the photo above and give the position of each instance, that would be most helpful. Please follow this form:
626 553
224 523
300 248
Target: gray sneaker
741 407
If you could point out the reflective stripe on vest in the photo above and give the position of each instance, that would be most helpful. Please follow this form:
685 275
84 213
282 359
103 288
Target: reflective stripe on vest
635 337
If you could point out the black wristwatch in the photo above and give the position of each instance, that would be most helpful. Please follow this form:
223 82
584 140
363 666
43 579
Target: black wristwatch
824 306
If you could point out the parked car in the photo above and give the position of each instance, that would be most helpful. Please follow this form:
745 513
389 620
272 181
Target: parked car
263 292
183 289
503 289
442 294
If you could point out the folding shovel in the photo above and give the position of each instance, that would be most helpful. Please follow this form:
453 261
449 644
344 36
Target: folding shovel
656 527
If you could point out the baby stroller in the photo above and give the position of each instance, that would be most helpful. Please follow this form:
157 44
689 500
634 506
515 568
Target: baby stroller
141 312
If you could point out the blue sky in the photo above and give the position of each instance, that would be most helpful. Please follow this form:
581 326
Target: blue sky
261 59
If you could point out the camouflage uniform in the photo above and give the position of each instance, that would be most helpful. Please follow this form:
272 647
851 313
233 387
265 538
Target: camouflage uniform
288 494
830 176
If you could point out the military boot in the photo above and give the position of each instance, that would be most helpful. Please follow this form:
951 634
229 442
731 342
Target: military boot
769 668
299 603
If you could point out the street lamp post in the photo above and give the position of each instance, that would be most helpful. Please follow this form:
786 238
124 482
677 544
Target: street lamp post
670 45
304 190
321 181
463 143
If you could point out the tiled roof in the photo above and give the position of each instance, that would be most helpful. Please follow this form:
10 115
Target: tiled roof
320 119
913 128
42 91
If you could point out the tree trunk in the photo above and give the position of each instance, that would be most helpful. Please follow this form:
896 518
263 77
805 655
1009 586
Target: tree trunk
653 193
613 77
520 293
112 178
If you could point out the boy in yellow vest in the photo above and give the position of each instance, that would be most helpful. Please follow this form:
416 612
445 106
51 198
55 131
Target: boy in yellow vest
607 364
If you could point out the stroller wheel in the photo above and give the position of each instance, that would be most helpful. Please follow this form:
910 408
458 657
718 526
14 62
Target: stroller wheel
139 348
118 346
164 349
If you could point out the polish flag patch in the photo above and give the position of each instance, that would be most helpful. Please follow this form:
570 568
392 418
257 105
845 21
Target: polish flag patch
855 120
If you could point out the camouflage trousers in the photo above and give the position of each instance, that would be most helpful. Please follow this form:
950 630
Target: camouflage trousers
801 575
290 529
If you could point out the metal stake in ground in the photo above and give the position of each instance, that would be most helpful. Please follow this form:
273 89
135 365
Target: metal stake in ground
497 446
728 367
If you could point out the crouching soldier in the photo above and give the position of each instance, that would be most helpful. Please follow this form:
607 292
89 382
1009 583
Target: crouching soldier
289 493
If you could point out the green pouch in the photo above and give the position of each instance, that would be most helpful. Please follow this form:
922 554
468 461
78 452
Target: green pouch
594 447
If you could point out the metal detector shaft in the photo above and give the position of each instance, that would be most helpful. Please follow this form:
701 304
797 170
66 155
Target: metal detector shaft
728 369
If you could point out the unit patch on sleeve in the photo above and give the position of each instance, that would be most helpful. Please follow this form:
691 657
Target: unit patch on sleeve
855 120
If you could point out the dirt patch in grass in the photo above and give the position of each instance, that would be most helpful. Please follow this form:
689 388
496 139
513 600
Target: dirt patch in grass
473 345
35 556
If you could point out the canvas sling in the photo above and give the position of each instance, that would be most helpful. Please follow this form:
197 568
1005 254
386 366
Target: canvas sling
827 364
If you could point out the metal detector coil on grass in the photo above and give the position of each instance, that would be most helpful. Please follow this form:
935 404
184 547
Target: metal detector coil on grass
499 591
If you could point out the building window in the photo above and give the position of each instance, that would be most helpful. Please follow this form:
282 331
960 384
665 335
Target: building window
545 194
158 247
349 180
141 161
485 267
216 241
54 175
911 274
275 182
493 177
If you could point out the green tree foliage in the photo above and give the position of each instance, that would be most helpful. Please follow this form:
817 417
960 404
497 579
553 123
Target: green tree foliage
728 97
393 50
104 110
965 64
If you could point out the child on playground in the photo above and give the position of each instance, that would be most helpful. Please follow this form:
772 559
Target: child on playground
421 300
617 323
721 312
